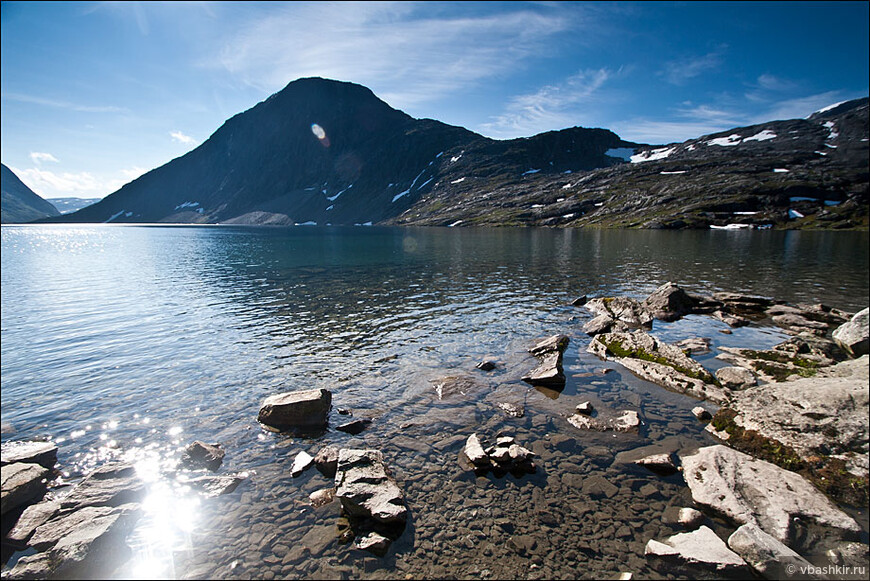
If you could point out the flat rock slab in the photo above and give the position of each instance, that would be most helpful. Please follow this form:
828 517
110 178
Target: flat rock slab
203 455
110 485
702 549
302 462
770 558
821 415
455 385
748 490
42 453
549 373
658 463
22 483
308 408
32 517
214 486
366 488
354 427
554 344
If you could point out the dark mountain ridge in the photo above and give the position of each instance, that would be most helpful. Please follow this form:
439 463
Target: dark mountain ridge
330 152
19 203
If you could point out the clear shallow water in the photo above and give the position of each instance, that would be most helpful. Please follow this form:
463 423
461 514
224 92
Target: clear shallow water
134 341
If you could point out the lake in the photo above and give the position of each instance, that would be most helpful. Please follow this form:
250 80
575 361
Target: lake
131 342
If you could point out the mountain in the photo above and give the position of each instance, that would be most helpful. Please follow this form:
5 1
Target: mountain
67 205
322 151
20 203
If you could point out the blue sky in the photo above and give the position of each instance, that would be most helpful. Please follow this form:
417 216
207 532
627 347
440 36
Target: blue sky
95 94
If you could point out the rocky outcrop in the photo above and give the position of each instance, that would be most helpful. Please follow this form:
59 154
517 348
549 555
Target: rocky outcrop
29 452
854 335
112 484
22 484
824 415
306 409
748 490
663 364
699 552
367 489
625 421
802 356
506 455
735 378
327 461
628 311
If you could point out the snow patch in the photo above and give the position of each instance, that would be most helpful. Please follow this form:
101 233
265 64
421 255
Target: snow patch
439 155
335 197
732 227
363 224
459 181
560 200
832 132
187 205
309 223
828 108
599 204
671 173
537 205
745 213
527 172
568 216
119 214
329 208
624 153
794 214
732 139
455 158
652 155
762 136
780 170
821 153
457 223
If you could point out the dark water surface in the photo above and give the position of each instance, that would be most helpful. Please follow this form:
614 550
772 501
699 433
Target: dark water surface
130 342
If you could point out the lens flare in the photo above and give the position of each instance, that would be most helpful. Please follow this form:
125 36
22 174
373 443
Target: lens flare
320 133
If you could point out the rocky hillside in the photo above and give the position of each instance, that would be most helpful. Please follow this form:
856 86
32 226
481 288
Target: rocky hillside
800 173
329 152
20 203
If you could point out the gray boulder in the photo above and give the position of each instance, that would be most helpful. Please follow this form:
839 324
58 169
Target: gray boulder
22 484
748 490
549 373
475 453
854 336
701 550
769 557
600 324
366 488
629 311
555 343
29 452
669 302
308 408
736 377
327 461
32 517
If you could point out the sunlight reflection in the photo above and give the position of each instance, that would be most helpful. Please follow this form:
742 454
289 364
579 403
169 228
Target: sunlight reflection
320 133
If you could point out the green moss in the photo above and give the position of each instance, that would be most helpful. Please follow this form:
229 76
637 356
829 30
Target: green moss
828 474
616 348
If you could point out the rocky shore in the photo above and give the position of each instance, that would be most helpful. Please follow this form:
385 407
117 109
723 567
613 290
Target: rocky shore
769 498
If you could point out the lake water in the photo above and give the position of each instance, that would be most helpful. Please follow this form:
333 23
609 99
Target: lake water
131 342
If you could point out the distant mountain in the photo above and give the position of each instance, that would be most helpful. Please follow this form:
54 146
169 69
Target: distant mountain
322 151
67 205
20 203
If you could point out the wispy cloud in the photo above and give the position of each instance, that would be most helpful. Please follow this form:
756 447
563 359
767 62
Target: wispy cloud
182 138
58 104
679 72
551 106
84 184
38 157
406 52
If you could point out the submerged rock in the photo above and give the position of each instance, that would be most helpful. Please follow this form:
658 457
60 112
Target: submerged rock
354 427
748 490
854 336
701 549
321 497
199 454
308 408
366 488
214 486
694 345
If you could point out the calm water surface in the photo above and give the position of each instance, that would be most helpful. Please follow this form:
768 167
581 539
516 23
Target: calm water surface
131 342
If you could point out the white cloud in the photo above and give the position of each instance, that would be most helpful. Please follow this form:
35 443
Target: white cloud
405 52
63 104
133 172
38 157
182 138
83 184
678 72
550 107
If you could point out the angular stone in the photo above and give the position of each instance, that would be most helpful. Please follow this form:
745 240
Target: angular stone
798 323
584 408
599 324
554 344
736 377
690 517
355 427
112 484
84 524
301 463
308 408
694 345
585 422
730 319
29 452
658 463
475 453
700 548
702 414
321 497
628 420
748 490
854 336
629 311
486 365
327 461
669 302
22 484
373 542
598 486
199 454
549 373
32 517
769 557
366 488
